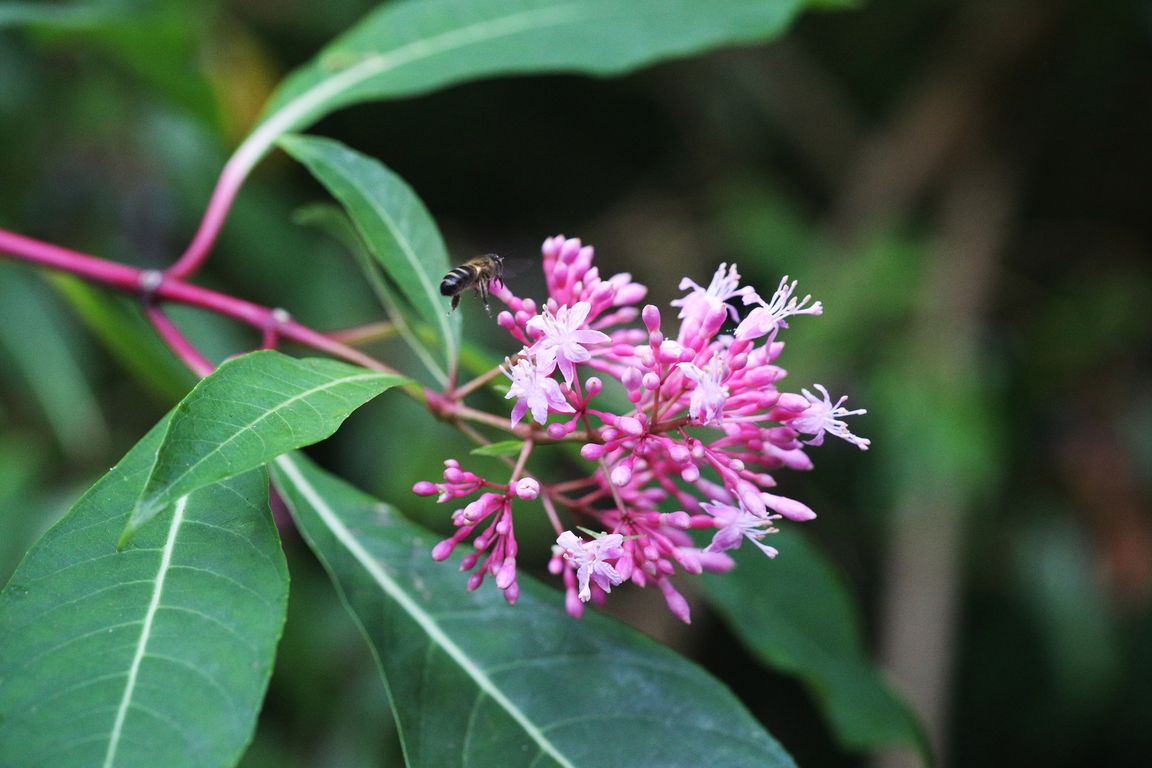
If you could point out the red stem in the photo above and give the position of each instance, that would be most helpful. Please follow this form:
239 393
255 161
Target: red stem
178 342
156 286
231 178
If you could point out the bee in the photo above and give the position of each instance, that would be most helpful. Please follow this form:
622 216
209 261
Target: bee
477 274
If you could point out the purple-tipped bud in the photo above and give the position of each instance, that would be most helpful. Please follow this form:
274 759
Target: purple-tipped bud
469 561
676 602
632 378
443 550
670 351
506 576
651 315
512 593
630 425
631 293
572 604
527 488
592 451
425 488
789 508
477 578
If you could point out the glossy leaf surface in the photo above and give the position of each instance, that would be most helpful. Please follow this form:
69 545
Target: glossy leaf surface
399 230
247 412
476 682
158 655
407 48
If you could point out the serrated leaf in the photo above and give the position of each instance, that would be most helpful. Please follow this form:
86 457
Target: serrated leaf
157 655
247 412
503 448
477 682
408 48
795 614
398 229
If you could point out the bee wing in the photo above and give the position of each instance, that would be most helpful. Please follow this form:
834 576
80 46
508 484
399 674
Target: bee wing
513 267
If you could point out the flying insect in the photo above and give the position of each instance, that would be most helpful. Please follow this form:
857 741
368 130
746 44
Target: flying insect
478 274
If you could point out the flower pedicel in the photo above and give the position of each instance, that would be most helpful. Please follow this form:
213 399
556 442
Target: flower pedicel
705 426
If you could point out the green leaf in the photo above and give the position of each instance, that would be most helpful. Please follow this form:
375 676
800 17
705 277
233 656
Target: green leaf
247 412
398 229
503 448
476 682
403 49
157 655
795 614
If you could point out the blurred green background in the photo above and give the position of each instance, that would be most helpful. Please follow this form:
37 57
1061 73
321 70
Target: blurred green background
965 185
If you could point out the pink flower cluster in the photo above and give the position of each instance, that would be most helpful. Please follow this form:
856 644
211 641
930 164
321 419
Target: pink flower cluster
696 425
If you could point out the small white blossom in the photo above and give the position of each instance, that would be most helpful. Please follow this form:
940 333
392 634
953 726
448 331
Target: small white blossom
535 391
775 313
590 559
710 393
824 416
564 342
724 286
735 524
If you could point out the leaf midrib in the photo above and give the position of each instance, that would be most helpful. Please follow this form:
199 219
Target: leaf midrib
434 631
248 427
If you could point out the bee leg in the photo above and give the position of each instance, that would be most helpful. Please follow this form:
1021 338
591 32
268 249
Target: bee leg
483 289
455 302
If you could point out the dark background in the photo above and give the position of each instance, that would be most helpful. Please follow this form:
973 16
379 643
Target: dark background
965 185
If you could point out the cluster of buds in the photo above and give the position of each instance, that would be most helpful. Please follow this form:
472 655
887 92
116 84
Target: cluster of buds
702 428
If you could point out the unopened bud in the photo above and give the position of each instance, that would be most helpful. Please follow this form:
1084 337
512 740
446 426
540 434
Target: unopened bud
527 488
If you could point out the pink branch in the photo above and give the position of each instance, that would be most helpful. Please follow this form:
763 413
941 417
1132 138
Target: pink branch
157 286
178 342
231 178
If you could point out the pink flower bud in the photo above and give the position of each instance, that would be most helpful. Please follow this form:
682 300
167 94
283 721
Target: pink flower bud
475 579
651 380
690 473
651 317
593 386
631 293
507 573
789 508
621 474
424 488
443 550
557 431
632 378
505 320
670 351
676 602
512 593
527 488
592 451
792 402
572 604
630 426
